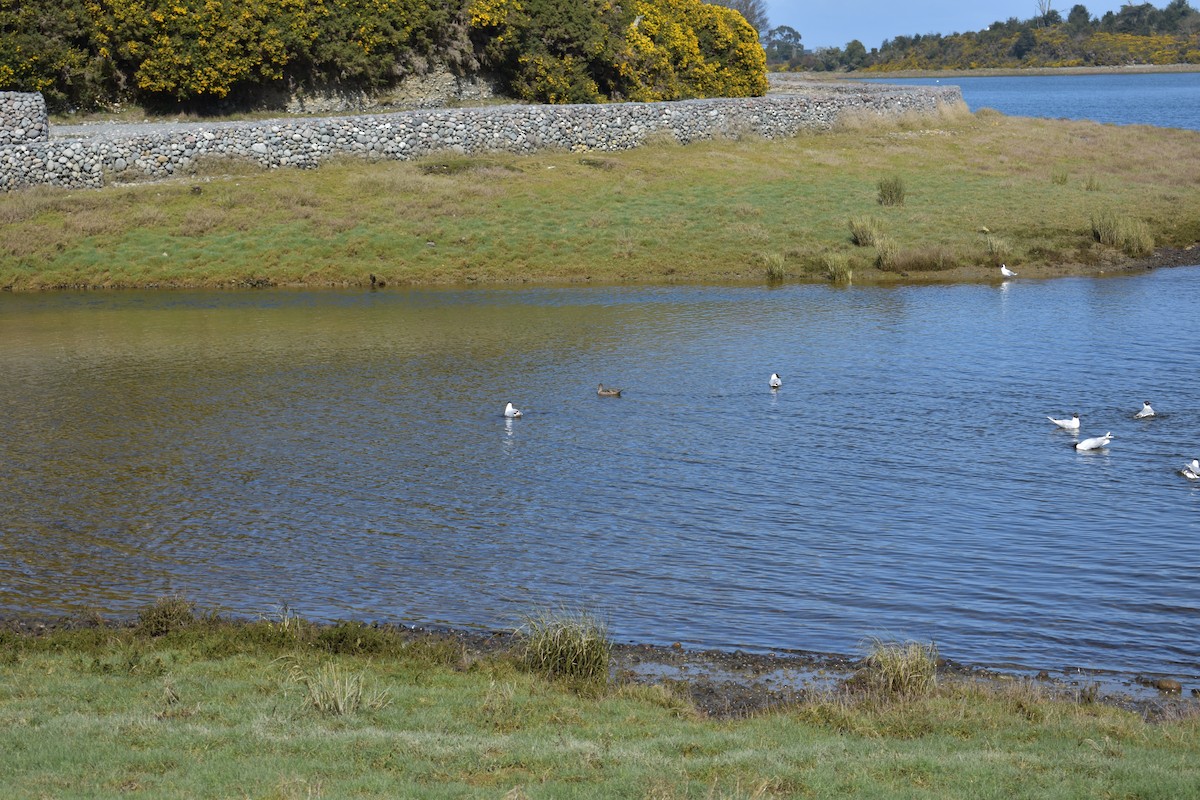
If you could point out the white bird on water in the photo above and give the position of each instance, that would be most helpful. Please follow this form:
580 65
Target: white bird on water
1146 411
1006 272
775 381
1071 424
1191 471
511 411
1095 443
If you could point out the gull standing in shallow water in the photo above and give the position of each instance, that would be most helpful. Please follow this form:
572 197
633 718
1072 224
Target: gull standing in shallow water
1095 443
1146 411
775 381
1006 272
511 411
1071 424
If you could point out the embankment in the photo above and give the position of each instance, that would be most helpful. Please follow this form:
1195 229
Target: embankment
94 155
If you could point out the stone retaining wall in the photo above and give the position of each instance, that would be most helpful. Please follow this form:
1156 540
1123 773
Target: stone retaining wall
124 153
23 118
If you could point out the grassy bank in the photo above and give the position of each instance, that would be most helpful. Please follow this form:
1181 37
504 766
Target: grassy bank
977 190
184 707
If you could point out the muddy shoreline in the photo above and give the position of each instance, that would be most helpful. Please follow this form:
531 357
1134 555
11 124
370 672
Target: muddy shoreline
730 684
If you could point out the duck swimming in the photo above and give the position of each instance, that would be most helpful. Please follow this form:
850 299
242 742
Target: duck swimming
608 391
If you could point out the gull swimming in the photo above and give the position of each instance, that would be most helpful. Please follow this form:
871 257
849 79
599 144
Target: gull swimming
608 391
1071 424
1146 411
1006 272
1191 471
1095 443
511 411
776 381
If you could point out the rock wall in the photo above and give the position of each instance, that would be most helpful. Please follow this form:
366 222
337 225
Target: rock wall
97 154
23 118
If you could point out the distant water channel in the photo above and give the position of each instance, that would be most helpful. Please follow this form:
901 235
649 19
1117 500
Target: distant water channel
344 452
1168 100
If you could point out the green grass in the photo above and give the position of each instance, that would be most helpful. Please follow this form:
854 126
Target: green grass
215 709
664 212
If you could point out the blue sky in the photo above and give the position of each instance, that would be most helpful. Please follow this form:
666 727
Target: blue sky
832 24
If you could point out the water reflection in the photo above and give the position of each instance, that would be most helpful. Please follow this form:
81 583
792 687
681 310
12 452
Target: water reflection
336 451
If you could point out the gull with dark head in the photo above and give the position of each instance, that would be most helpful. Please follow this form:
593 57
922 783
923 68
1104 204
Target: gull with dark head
775 381
1071 424
511 411
1006 272
1146 411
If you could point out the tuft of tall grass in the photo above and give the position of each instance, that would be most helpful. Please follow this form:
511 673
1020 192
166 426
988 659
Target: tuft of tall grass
886 251
1092 184
334 690
864 231
166 614
1132 236
773 264
902 669
931 258
998 249
566 644
836 267
1059 177
891 191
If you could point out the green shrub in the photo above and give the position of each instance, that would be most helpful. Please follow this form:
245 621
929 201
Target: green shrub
566 644
891 191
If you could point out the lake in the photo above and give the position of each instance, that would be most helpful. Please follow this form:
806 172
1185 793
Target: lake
1168 99
344 453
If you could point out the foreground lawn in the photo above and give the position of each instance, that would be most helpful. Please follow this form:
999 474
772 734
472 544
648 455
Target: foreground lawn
978 190
210 709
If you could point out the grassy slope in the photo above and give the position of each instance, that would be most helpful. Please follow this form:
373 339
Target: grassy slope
213 711
708 211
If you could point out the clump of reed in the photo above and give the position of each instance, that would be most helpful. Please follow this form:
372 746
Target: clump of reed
1059 177
1132 236
166 614
998 248
332 689
572 645
1092 184
836 267
901 669
886 251
891 191
931 258
773 264
864 231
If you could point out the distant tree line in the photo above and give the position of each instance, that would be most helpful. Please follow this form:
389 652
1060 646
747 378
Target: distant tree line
207 54
1136 34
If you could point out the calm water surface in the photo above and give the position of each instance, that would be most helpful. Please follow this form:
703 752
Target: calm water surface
1169 100
344 452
